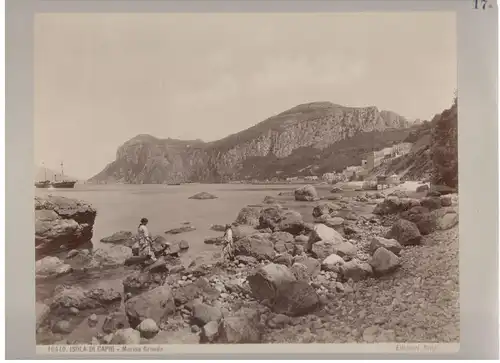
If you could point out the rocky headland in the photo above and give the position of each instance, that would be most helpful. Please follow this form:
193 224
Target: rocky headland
387 274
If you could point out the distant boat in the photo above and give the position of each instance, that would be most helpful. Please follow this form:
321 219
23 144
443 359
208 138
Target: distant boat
66 184
43 183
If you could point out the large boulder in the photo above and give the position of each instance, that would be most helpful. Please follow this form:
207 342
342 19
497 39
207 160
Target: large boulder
325 208
51 267
389 244
265 280
156 304
345 250
125 238
322 232
202 196
384 261
307 193
257 245
248 216
295 298
281 219
405 232
62 224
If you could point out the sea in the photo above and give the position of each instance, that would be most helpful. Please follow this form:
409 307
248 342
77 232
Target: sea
121 206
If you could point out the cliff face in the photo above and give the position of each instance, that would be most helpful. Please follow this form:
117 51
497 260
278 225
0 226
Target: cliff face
146 159
434 154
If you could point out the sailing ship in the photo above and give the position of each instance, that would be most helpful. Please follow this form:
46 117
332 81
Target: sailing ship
43 183
63 183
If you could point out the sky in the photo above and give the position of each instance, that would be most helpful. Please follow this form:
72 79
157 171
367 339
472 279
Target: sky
101 79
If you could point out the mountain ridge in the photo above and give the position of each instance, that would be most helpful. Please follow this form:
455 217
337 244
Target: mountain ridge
317 125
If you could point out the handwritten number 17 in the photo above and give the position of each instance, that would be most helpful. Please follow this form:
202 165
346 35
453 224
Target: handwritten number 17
483 3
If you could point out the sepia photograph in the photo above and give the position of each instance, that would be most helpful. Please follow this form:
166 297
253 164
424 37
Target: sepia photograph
246 178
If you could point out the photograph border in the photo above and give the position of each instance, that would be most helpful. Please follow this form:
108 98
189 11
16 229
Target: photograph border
477 57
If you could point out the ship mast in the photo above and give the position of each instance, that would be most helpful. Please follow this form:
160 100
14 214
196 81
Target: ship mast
45 169
62 171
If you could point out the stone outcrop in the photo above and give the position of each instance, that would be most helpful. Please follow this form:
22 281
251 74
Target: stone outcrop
61 224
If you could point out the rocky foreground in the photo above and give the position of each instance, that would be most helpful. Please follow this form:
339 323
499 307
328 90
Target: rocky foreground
388 276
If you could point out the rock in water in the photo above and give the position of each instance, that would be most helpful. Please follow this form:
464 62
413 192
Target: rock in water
269 200
295 298
356 270
127 336
384 261
265 280
125 238
248 216
325 208
148 328
156 304
256 245
183 245
218 227
183 229
51 267
62 224
405 232
389 244
203 195
307 193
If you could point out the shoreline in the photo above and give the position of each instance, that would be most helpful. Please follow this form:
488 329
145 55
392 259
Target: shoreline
221 275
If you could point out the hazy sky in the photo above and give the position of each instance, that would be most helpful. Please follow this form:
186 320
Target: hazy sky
101 79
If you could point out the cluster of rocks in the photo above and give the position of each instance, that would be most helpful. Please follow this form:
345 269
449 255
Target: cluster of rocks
285 270
61 224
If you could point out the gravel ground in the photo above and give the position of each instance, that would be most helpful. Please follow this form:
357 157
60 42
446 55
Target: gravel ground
418 303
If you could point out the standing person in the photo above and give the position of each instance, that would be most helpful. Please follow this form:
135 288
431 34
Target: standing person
145 240
228 249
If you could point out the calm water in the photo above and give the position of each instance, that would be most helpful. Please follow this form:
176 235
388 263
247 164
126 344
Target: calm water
120 207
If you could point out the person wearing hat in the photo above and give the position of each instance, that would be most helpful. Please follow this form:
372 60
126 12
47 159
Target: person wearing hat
228 249
145 240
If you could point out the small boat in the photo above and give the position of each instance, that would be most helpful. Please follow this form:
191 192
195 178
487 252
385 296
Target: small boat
43 183
66 184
